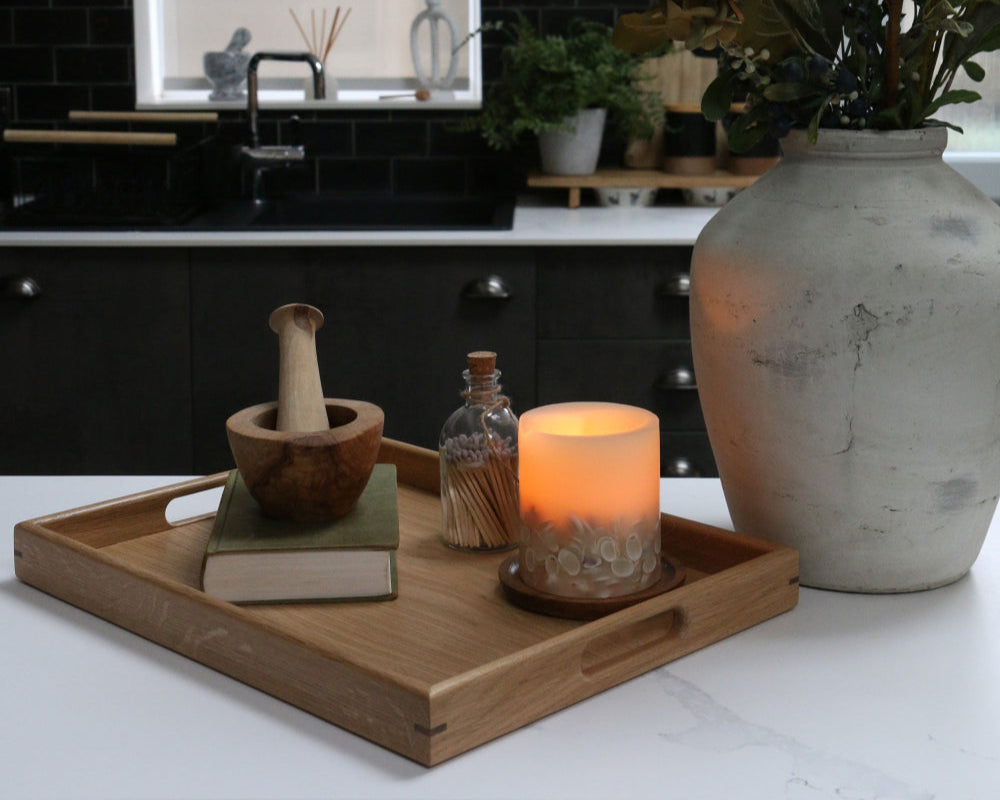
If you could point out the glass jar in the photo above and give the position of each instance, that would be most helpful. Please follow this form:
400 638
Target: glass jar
478 449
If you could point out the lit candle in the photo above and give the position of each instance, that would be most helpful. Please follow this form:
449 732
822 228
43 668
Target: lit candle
589 479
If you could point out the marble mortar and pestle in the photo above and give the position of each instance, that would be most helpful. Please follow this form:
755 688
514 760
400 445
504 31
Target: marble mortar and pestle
304 458
226 70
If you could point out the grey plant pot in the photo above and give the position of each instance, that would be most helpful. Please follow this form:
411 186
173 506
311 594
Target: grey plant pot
574 148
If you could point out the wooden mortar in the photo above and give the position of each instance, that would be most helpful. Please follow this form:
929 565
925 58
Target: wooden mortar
307 476
305 458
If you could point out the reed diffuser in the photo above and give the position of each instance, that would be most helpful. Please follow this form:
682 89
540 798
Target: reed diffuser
320 39
478 450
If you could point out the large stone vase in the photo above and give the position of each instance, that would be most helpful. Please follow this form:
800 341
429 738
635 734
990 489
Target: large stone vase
845 323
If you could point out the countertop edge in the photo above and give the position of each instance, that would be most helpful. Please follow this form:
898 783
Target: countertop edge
533 226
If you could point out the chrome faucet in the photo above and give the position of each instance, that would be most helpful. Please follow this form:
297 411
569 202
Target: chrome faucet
278 153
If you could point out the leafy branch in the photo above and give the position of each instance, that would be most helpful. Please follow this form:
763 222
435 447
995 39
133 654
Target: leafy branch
815 64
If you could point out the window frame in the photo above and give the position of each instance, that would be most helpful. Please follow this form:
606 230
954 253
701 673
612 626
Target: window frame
153 93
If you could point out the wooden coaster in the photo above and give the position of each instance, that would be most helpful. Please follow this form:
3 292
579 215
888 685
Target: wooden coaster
524 596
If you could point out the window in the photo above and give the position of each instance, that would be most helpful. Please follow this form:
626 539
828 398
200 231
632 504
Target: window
369 64
976 152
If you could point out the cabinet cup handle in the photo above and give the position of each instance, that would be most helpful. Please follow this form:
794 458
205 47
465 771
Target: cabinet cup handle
492 287
679 378
680 467
20 287
677 285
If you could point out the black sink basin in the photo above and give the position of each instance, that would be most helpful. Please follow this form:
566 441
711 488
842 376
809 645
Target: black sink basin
337 212
365 212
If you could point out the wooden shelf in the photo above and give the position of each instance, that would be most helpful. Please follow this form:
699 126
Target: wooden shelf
635 179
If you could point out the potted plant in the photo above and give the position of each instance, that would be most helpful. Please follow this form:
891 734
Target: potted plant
560 89
844 313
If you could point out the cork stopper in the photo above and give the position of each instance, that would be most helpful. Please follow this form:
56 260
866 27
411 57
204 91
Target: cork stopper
482 363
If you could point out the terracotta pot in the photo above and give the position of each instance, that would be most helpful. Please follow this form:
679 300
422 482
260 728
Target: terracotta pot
845 322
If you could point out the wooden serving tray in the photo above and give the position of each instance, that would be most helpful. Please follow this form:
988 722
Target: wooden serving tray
448 665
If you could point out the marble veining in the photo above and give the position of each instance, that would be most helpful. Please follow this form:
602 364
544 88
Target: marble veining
814 774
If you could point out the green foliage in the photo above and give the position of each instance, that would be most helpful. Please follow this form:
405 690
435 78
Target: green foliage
545 79
815 64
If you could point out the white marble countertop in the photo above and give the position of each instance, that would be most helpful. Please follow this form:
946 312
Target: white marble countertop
533 225
846 696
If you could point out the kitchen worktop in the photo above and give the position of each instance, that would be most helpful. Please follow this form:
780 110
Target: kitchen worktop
535 223
844 696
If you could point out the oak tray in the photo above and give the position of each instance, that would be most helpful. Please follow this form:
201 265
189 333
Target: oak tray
448 665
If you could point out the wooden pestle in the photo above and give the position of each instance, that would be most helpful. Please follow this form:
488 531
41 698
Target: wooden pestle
300 393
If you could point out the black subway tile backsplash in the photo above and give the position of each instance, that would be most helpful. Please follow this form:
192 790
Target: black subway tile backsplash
27 64
6 29
555 20
356 174
291 177
110 26
390 138
429 175
93 65
114 96
446 139
54 26
59 55
322 138
38 103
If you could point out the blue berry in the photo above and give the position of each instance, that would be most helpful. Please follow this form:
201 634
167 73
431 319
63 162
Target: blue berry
846 81
818 67
793 71
830 119
858 108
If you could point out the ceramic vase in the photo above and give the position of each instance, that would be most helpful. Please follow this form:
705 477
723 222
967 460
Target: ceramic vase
574 149
845 325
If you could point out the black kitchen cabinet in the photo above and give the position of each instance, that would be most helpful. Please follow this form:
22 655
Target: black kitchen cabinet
613 326
613 293
95 361
399 322
131 359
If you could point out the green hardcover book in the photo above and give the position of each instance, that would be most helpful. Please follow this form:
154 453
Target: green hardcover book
251 558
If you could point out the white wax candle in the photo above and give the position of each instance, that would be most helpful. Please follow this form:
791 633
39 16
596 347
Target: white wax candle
590 496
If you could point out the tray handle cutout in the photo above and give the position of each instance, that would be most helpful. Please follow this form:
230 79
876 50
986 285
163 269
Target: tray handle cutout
131 517
187 507
634 646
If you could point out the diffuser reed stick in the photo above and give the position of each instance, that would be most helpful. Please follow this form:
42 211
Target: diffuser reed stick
322 38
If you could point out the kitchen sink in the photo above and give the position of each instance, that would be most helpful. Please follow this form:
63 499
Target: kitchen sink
327 211
331 211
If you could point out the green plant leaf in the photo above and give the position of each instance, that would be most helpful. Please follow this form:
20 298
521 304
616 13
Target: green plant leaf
939 123
745 132
696 34
718 97
820 27
953 96
974 71
812 132
913 106
984 17
764 27
545 79
990 41
783 92
641 33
